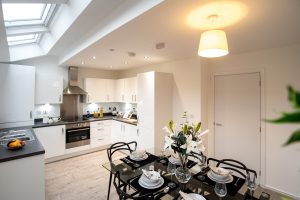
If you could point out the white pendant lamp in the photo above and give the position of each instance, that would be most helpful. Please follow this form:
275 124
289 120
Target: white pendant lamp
213 43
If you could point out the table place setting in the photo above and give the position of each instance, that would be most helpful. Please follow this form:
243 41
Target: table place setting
191 196
139 158
220 175
151 182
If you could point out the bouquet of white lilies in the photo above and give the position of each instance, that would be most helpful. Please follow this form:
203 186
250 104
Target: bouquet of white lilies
184 139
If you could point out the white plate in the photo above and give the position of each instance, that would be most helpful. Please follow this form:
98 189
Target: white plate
147 186
196 196
138 159
226 180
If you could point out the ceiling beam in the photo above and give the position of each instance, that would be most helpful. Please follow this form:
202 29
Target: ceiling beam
36 1
25 30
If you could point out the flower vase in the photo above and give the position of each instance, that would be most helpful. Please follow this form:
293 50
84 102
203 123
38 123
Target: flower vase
183 174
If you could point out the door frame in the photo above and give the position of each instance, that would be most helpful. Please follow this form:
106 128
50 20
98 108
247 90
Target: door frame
211 138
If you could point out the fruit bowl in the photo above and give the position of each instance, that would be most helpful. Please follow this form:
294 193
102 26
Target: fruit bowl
15 144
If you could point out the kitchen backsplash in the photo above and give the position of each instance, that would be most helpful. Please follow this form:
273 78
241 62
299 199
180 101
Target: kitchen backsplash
53 110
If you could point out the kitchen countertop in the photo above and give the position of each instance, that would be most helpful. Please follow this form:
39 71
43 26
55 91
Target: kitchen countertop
31 148
91 119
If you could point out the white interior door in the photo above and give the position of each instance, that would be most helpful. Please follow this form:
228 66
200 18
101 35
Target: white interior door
237 118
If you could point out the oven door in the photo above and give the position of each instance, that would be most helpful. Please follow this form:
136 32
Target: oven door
77 137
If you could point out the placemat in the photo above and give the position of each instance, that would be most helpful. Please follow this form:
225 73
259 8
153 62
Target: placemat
151 158
135 184
232 188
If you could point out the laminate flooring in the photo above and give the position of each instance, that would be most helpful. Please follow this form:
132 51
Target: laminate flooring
84 178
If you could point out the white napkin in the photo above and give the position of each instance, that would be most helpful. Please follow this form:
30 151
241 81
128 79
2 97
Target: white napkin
152 175
138 153
185 196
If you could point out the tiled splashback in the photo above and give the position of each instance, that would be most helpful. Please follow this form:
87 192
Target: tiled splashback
53 110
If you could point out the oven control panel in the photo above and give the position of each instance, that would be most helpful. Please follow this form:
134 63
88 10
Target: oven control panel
78 125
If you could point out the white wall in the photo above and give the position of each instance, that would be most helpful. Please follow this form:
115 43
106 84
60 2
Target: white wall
281 68
186 85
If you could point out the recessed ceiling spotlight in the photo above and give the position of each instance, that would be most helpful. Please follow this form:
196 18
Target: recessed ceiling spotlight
146 57
94 57
82 62
160 45
126 62
111 49
131 54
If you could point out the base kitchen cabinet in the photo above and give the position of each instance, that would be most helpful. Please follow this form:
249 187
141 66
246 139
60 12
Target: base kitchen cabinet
116 131
53 138
100 133
123 132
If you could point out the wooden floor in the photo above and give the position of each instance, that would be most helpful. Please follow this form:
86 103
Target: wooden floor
84 178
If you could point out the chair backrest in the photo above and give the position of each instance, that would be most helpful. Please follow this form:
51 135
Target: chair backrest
197 156
233 165
121 146
121 190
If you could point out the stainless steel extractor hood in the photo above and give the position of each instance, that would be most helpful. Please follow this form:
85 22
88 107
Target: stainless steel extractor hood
73 87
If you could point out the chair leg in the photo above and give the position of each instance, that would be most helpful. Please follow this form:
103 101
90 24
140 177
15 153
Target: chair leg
109 184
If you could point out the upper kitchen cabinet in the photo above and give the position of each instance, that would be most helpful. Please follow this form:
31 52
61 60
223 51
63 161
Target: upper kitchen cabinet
99 90
96 90
126 90
48 89
131 89
17 83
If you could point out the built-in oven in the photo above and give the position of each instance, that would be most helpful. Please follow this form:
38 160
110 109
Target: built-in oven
77 134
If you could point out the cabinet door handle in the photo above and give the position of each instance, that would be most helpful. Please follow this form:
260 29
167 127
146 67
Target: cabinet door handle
135 98
30 114
137 131
59 98
100 139
62 131
100 129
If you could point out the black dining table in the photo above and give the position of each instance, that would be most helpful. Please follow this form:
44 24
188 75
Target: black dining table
130 171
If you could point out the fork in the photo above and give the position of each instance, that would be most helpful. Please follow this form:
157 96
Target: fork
235 184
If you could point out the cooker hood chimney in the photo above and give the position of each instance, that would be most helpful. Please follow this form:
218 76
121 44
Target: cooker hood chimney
73 87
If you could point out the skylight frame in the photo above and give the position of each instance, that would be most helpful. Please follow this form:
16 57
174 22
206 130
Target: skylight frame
44 20
46 14
33 40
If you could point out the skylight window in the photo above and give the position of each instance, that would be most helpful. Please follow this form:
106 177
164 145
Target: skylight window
24 19
26 14
22 39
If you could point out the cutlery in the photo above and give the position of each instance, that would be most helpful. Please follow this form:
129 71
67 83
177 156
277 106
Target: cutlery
164 190
235 184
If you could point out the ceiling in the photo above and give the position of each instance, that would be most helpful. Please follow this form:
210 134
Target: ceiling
267 24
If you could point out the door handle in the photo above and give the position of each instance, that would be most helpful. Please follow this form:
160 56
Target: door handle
59 98
30 114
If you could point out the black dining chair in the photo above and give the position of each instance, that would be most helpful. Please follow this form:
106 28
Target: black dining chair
235 166
117 147
123 195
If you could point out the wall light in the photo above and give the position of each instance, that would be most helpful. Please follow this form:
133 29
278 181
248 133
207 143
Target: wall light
213 43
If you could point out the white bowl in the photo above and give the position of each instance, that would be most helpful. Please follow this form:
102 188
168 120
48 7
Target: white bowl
219 172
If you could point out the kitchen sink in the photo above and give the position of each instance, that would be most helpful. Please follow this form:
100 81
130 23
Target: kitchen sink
24 135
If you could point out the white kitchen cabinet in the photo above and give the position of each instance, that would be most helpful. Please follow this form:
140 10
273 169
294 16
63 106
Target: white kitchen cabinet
48 89
130 132
154 108
123 132
116 131
53 139
17 83
120 90
110 90
96 89
100 133
99 90
126 90
130 89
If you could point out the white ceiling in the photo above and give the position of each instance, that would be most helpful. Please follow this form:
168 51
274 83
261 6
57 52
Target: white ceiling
268 24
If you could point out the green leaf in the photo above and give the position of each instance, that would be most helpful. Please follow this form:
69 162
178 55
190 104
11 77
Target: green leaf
294 97
185 129
171 126
287 118
197 127
295 137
